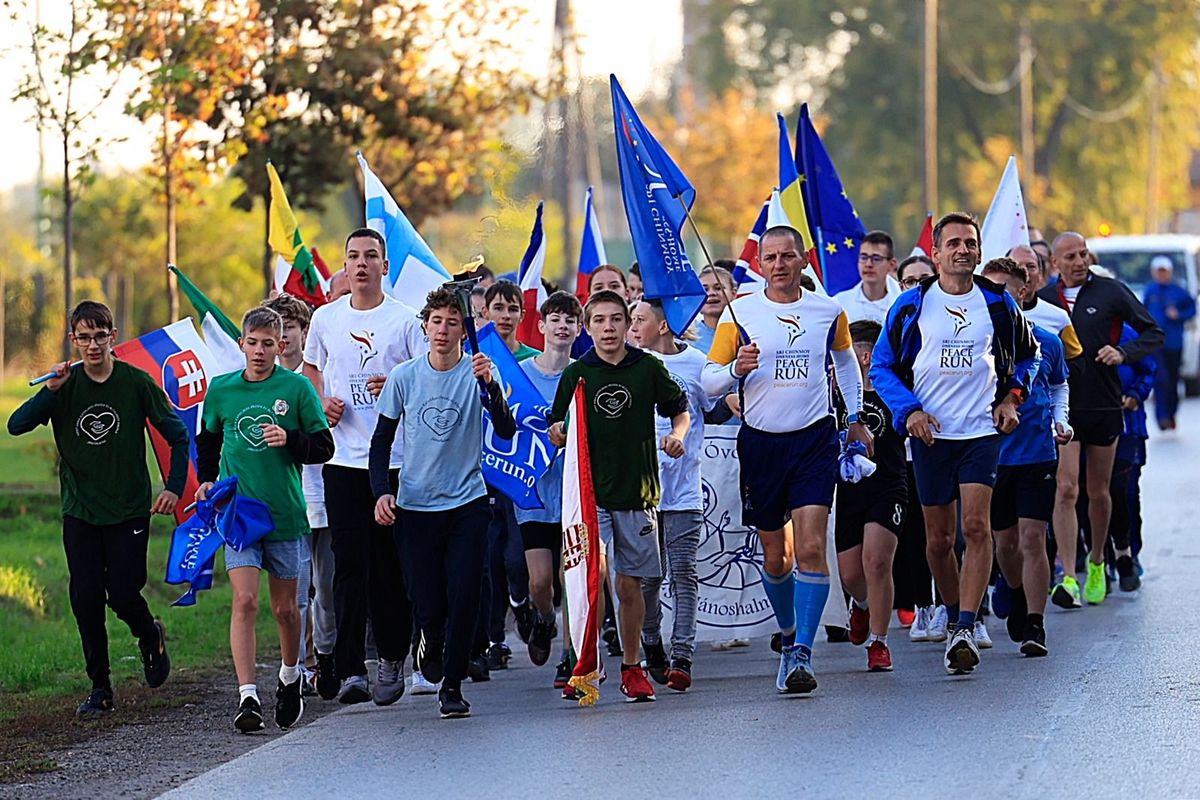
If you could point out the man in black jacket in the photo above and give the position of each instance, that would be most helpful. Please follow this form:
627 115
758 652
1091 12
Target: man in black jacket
1099 307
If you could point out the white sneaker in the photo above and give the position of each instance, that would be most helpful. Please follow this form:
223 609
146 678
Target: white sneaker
937 625
919 631
983 639
962 652
422 686
729 644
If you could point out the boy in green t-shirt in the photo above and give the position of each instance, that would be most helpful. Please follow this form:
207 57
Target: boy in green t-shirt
262 424
98 409
622 388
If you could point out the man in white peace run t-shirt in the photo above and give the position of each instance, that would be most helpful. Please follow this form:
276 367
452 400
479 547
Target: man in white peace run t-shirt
876 289
352 344
955 361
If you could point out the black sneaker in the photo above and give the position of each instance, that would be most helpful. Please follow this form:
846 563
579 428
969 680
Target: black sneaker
836 633
562 673
541 639
656 662
1034 644
498 656
327 680
1018 614
1127 577
611 638
777 642
430 653
156 662
453 706
98 704
289 702
679 676
249 716
477 669
526 618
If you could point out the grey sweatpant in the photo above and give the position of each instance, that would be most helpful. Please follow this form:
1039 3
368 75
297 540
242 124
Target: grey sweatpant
679 532
324 621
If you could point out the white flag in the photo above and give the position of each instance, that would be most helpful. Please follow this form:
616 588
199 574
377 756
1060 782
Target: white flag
1005 225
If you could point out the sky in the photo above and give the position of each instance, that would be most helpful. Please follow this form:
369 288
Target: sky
640 40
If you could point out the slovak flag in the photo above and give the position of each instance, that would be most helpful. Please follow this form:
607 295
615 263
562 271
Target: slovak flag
532 290
924 245
581 553
591 250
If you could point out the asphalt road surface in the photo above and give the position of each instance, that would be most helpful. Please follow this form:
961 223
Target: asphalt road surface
1114 711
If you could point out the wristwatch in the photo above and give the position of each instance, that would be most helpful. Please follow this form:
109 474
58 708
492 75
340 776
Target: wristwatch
852 418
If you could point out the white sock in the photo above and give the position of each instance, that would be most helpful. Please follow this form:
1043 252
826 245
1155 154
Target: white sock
860 606
247 690
289 674
874 638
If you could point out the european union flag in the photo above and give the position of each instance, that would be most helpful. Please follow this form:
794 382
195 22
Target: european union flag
653 186
835 224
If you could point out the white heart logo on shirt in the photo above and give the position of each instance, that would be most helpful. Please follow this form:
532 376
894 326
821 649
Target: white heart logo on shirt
250 429
612 400
97 426
440 420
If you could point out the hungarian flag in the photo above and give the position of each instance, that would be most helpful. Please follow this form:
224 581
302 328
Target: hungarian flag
925 240
532 290
581 554
296 271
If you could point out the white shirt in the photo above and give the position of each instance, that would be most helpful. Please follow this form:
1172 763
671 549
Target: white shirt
1048 316
350 345
858 306
680 477
1069 294
954 375
313 483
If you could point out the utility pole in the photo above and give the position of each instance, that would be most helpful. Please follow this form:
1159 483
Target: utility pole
1152 154
929 105
1028 153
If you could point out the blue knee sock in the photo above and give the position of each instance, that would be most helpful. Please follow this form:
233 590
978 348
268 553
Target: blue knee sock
812 590
966 619
780 591
952 613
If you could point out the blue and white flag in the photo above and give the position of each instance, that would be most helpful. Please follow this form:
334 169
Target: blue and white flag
413 269
653 187
514 466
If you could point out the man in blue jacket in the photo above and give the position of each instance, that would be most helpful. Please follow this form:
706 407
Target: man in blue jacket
955 361
1171 306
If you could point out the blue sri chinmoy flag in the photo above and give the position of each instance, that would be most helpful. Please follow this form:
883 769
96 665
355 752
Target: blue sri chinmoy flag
224 518
652 187
835 224
514 466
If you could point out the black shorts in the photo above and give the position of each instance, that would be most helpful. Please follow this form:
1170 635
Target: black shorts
542 536
1024 491
785 471
941 467
858 504
1097 428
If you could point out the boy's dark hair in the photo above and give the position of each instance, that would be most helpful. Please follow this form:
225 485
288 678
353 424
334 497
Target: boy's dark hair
562 303
439 298
953 218
883 239
262 318
292 309
605 296
914 259
611 268
369 233
634 269
95 315
807 282
725 263
1006 266
506 290
865 331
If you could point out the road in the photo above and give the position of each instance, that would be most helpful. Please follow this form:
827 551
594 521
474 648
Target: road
1114 711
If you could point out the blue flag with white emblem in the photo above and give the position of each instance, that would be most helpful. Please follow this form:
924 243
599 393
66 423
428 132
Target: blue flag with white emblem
653 186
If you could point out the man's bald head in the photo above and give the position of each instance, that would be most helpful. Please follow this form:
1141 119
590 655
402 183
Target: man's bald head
1067 239
1069 255
1028 258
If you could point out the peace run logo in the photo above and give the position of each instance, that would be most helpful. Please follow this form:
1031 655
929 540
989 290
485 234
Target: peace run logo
96 423
958 315
612 400
440 416
793 328
365 341
249 426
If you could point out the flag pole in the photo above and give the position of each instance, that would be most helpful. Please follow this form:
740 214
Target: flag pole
708 258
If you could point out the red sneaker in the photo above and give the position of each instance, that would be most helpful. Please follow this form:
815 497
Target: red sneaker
860 624
635 686
906 617
879 658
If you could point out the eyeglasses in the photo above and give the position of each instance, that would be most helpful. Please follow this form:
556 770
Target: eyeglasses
874 260
909 283
86 341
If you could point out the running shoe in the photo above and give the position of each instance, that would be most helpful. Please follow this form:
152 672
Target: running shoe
289 703
800 679
634 685
452 705
1034 644
679 676
611 638
729 644
422 686
777 642
938 625
430 653
879 658
860 624
1066 594
919 631
156 662
982 638
788 660
1018 615
389 682
249 717
497 656
477 669
327 682
307 686
98 704
541 640
354 690
562 673
1001 597
525 617
836 634
656 662
906 617
962 654
1095 588
1127 576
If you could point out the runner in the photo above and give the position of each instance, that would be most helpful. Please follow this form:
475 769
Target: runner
876 289
954 363
262 424
1023 499
623 387
1172 306
869 516
352 343
1098 307
680 510
99 409
440 514
1045 315
787 444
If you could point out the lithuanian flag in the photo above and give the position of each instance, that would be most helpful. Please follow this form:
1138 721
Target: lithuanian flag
296 272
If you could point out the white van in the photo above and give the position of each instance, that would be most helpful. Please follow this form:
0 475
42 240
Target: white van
1129 259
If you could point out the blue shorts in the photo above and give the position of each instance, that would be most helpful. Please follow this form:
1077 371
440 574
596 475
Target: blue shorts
280 559
785 471
942 467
